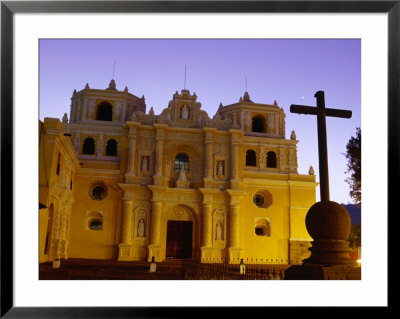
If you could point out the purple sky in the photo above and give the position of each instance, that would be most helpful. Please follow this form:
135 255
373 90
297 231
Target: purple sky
288 71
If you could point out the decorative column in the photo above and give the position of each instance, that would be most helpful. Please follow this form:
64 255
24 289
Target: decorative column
206 248
241 120
126 234
261 157
158 177
235 139
130 166
208 158
155 247
84 109
234 243
234 226
55 237
77 111
124 112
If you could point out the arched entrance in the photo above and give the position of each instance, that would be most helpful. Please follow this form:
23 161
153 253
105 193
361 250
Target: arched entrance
180 227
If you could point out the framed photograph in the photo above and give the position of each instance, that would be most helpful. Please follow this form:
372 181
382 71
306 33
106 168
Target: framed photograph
47 47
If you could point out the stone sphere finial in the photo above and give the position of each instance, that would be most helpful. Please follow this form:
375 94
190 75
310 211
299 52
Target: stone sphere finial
328 220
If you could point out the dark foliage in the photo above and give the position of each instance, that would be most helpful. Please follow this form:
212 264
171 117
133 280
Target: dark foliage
353 156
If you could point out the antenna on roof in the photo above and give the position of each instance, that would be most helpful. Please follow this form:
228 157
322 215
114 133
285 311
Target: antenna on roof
113 70
184 86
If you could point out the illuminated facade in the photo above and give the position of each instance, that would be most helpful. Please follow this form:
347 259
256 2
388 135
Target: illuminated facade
175 185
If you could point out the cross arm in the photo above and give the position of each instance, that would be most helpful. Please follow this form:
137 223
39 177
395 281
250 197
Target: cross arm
304 109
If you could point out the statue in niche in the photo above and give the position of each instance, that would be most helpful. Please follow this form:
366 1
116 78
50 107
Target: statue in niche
168 116
185 112
140 229
145 164
182 180
200 117
218 231
220 168
133 116
182 175
90 109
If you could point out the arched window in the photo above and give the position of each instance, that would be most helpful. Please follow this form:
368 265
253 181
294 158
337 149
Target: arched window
181 160
251 159
111 148
271 159
88 146
104 112
258 124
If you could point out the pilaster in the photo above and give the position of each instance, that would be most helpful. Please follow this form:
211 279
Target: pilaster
126 234
235 140
160 133
156 214
235 217
132 138
208 159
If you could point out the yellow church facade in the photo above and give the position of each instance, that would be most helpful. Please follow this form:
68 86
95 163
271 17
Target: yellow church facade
132 185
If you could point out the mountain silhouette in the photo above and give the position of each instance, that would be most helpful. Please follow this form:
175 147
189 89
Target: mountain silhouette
355 213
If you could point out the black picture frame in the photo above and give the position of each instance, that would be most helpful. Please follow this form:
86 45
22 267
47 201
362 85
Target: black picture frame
9 8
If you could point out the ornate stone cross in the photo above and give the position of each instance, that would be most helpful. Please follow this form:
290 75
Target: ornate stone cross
321 113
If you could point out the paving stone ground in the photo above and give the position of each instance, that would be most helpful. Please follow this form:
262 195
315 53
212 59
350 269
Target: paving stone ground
84 269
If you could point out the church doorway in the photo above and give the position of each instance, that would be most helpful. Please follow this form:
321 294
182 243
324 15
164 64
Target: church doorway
179 239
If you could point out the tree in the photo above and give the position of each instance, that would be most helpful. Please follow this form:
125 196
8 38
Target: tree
355 236
353 156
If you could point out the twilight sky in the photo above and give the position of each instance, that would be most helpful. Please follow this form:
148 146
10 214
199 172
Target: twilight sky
288 71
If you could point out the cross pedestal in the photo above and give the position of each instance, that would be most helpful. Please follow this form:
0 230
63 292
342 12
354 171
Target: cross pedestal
327 222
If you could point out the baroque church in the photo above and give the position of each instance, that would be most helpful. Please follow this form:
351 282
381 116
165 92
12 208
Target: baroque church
118 182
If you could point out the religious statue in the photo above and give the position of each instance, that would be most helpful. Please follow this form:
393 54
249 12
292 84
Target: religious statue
182 175
133 116
220 168
182 182
168 116
140 229
65 118
293 135
185 112
218 231
311 171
